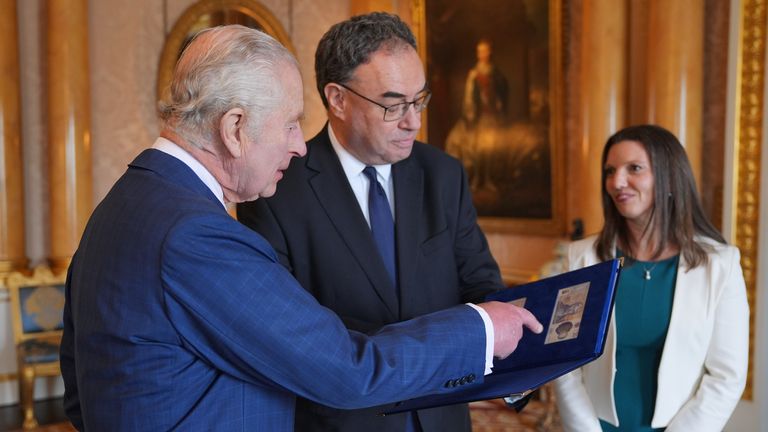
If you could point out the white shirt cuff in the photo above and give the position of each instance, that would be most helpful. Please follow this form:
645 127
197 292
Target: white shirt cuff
488 337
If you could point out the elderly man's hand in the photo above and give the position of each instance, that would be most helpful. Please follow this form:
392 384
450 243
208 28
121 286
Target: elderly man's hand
508 321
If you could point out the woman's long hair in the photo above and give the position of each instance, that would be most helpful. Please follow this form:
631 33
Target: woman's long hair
676 216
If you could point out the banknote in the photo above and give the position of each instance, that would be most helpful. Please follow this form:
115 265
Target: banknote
566 316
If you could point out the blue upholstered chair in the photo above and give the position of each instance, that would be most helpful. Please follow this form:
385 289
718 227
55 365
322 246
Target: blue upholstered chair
37 305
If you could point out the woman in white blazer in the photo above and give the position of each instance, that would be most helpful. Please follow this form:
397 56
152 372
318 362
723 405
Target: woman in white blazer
676 352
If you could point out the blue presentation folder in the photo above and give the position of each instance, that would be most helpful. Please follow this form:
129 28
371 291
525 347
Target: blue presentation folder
574 307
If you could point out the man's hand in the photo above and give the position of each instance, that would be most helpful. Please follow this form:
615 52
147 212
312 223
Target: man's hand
508 321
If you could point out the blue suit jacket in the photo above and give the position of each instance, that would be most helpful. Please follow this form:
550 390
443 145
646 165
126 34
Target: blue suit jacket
179 317
315 223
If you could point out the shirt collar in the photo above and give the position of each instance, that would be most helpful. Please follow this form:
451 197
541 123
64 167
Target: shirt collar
353 166
173 149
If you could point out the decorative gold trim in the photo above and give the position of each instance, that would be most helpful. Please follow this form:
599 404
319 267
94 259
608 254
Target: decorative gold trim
419 29
747 152
181 29
10 376
12 265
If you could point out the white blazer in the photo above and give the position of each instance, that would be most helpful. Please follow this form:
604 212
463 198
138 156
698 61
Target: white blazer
703 366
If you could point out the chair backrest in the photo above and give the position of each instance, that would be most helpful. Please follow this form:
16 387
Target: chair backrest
37 304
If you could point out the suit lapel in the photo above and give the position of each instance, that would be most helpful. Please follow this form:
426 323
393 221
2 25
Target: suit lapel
409 188
334 194
691 303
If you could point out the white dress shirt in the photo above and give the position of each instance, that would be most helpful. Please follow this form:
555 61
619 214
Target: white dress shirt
171 148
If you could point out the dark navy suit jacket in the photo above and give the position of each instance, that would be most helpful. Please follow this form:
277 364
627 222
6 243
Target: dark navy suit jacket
315 223
180 318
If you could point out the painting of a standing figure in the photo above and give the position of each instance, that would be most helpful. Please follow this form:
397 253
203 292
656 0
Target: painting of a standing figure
475 137
488 66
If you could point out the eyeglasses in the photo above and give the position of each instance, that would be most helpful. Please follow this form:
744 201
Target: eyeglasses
397 111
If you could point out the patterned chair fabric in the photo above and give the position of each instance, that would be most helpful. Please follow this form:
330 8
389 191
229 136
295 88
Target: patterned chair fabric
37 306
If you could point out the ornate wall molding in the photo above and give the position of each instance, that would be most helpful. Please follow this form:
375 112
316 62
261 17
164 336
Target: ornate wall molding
747 152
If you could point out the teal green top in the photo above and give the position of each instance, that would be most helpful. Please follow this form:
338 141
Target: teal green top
643 310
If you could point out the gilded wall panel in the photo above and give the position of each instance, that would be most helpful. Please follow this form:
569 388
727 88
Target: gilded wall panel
749 130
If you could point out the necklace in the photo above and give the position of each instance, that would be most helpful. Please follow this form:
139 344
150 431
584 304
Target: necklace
647 271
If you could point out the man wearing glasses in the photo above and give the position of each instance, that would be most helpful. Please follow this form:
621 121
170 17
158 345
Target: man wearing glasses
378 227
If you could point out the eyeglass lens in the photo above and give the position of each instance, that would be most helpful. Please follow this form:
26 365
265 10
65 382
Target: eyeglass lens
398 111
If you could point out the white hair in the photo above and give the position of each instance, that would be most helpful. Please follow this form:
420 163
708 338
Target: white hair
223 68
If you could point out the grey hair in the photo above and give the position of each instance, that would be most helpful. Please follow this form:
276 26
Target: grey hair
350 43
223 68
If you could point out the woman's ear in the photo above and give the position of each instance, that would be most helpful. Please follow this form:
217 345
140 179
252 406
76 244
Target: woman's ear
231 128
336 101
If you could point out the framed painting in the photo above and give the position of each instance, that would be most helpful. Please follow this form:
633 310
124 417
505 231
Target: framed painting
495 71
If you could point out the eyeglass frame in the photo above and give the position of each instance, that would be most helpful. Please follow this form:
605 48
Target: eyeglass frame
425 97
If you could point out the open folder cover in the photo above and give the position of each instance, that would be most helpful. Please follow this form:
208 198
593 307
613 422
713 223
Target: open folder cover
574 307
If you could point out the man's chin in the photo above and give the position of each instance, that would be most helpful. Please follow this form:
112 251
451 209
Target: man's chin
268 191
399 153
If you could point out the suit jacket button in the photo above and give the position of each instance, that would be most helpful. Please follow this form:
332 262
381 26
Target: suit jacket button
450 383
463 380
471 378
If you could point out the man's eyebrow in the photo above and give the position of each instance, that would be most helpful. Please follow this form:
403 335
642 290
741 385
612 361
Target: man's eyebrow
394 94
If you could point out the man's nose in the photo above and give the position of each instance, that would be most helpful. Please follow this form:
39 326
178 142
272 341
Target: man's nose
411 120
298 146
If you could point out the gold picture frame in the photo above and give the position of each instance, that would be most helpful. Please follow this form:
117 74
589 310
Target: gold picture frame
514 156
749 128
210 13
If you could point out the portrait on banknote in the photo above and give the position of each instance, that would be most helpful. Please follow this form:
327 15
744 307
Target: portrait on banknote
568 311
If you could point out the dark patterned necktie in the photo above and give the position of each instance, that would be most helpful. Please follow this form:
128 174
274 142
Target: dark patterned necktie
382 225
